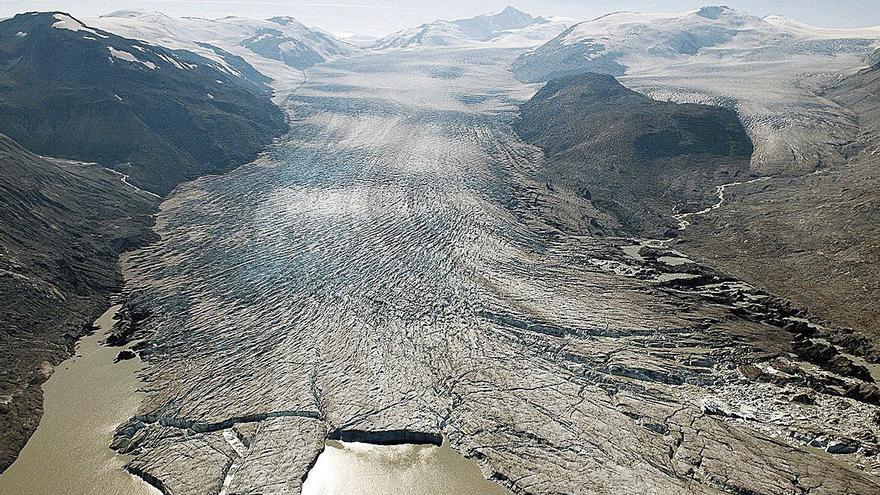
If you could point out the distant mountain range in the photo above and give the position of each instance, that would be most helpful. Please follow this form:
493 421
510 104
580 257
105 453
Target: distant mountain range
624 42
279 38
768 70
510 27
160 116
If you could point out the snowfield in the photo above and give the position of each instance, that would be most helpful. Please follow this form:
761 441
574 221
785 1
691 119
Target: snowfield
233 34
510 28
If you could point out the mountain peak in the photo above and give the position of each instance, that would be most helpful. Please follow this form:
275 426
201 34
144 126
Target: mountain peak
133 13
43 21
509 18
714 11
511 14
511 10
47 17
284 20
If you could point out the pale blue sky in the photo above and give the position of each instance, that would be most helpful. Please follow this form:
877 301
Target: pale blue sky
378 17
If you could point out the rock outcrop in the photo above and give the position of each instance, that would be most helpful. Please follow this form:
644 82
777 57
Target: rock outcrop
640 159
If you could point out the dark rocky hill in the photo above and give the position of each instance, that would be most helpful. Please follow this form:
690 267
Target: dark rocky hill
809 238
62 226
630 155
161 116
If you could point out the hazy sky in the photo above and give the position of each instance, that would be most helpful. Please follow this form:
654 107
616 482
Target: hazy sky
378 17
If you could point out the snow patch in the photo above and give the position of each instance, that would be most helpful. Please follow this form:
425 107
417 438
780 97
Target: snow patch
171 60
128 57
122 55
69 23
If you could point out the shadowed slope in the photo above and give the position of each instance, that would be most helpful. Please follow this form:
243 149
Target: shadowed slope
62 226
633 156
159 115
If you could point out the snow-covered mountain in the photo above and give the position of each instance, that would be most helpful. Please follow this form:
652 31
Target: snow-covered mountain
510 27
622 41
769 70
282 39
793 26
157 114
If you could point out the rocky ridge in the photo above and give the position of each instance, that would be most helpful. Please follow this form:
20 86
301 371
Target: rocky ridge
160 116
630 155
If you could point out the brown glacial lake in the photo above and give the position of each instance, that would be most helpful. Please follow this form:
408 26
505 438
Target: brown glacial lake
88 395
352 468
85 398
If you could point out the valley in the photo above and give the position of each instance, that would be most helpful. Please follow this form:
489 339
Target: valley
64 225
391 268
631 255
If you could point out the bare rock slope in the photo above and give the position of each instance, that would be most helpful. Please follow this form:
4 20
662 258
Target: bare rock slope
160 116
637 158
62 227
814 237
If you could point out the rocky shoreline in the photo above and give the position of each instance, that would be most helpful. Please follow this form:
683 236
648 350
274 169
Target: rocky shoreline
54 282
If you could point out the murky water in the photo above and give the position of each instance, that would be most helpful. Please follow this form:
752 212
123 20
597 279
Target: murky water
352 468
84 400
